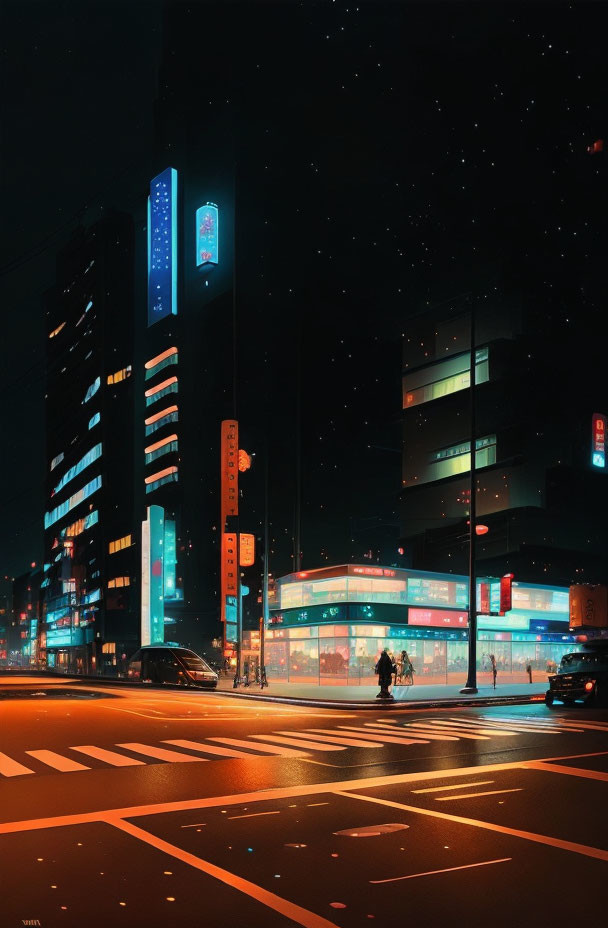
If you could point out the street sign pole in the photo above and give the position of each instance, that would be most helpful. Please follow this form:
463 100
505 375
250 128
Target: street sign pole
471 684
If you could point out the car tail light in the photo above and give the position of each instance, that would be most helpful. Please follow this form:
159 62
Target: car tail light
589 685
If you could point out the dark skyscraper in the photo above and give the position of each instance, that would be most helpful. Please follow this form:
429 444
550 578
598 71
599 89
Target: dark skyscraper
539 493
91 539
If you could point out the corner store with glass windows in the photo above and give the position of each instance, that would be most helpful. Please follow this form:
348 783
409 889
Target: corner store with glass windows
330 625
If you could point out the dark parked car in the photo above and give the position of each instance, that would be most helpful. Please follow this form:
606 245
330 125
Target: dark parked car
177 666
582 675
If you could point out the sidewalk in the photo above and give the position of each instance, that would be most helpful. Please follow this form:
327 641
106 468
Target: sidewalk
404 696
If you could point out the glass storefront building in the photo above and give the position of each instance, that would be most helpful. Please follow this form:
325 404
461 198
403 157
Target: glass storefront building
329 626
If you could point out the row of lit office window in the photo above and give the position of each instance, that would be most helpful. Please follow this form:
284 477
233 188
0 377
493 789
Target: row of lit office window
118 581
119 543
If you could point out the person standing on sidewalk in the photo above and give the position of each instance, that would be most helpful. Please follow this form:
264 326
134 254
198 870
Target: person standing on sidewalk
494 669
384 669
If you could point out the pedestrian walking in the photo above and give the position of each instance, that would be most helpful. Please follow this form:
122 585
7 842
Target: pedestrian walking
407 669
384 669
494 669
529 672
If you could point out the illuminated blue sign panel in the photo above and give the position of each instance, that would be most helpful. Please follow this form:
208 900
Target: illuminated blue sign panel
162 246
152 577
207 235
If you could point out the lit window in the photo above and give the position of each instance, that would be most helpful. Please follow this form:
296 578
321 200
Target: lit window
154 481
122 374
109 647
119 581
94 420
56 331
442 379
161 447
51 517
85 461
92 389
162 389
57 460
80 526
169 414
154 365
125 542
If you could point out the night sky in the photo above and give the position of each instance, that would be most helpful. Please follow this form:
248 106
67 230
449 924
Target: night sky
404 154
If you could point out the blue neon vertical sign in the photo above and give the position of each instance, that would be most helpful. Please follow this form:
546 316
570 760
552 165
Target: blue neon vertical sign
207 248
162 246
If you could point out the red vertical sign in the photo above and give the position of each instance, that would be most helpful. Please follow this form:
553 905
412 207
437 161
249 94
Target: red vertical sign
484 598
230 469
229 494
505 593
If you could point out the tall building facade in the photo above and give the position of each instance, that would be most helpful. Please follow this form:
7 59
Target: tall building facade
539 490
183 390
26 616
90 594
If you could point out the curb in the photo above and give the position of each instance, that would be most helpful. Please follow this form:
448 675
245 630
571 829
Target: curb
393 705
390 705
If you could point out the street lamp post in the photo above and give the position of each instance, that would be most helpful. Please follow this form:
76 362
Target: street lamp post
471 684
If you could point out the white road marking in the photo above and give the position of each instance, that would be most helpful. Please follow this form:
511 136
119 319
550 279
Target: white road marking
412 876
57 761
11 768
265 748
109 757
446 730
160 753
299 743
290 910
341 739
572 846
397 738
568 771
379 729
486 792
206 748
252 815
439 789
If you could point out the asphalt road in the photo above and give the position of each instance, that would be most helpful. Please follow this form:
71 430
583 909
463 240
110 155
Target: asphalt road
149 808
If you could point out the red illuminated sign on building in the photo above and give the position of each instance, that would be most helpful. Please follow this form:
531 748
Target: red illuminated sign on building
375 571
505 593
438 618
230 469
484 598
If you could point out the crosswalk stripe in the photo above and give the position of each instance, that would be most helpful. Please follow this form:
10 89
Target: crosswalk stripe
341 739
159 753
11 768
57 761
572 725
510 729
109 757
477 729
448 730
299 743
595 726
432 736
397 738
514 725
265 748
206 748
